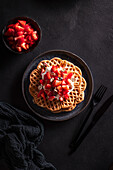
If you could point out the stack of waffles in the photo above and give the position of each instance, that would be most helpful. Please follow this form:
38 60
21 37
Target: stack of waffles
75 96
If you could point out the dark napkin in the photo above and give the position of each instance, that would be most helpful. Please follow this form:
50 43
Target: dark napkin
20 135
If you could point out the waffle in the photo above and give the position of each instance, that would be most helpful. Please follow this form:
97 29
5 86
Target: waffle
75 96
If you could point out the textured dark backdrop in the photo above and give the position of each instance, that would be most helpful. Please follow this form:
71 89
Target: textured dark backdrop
84 27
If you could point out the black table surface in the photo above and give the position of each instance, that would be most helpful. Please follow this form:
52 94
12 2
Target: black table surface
84 27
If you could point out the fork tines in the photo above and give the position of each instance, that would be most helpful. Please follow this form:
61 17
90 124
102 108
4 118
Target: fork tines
100 92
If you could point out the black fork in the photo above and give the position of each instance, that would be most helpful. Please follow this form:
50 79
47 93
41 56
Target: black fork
95 100
98 95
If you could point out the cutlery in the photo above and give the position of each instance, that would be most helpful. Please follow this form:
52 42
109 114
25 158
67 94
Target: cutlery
96 117
95 100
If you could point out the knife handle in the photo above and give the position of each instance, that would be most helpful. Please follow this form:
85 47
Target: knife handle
82 137
96 117
81 130
102 109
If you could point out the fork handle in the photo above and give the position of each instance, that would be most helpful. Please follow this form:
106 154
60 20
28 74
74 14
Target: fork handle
79 133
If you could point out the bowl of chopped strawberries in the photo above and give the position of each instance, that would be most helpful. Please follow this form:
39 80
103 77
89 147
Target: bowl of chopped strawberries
21 35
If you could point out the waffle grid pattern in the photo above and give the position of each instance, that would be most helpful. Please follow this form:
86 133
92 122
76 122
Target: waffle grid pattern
75 96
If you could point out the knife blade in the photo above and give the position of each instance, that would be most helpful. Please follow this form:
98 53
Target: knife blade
96 117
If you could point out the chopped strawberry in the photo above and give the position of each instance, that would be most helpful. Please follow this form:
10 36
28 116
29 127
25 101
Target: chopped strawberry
18 28
28 39
53 69
19 48
69 75
43 95
60 94
10 32
10 26
19 33
20 39
22 22
34 35
59 88
61 99
59 75
56 77
40 92
28 29
31 43
46 91
50 93
17 24
23 34
48 86
64 75
10 38
63 82
27 46
23 45
68 81
48 81
64 92
48 75
66 87
58 72
51 98
56 83
42 82
65 71
16 38
45 77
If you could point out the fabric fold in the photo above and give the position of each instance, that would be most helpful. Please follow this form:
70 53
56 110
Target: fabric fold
20 136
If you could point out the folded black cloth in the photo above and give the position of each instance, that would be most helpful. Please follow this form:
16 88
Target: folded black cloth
20 135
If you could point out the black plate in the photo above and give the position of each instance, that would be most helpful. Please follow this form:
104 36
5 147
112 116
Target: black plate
65 55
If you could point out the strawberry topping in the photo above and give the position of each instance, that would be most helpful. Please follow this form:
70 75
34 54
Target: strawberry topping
24 36
56 83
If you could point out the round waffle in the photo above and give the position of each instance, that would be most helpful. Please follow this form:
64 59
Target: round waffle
75 96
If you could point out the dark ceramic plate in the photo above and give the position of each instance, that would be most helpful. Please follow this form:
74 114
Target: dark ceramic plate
65 55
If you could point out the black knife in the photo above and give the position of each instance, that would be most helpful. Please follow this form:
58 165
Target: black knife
96 117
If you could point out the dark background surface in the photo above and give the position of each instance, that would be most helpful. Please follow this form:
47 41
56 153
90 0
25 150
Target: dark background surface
84 27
